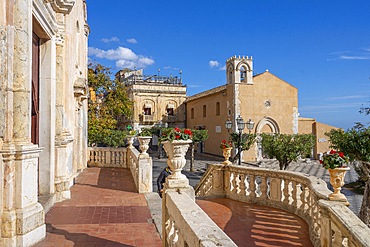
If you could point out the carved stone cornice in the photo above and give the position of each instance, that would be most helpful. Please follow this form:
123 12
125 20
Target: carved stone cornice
62 6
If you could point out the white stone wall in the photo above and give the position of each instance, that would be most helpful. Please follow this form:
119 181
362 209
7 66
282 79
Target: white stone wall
28 171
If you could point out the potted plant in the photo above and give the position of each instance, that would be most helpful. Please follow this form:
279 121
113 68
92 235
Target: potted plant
337 165
176 142
226 147
144 138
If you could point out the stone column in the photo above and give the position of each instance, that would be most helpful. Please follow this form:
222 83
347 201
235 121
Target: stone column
22 217
64 138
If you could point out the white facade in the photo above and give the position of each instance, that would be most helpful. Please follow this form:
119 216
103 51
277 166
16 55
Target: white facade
43 132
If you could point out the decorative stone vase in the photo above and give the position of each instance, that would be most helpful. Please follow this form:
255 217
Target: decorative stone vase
144 145
130 141
226 152
337 181
176 151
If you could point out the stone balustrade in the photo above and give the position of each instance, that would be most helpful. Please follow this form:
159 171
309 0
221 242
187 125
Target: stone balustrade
140 167
107 157
330 223
186 224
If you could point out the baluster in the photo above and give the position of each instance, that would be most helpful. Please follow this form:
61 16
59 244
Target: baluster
286 192
275 189
242 185
263 188
252 186
303 198
234 184
294 194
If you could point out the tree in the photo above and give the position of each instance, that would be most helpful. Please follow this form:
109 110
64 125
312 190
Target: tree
246 143
355 142
107 101
198 137
287 148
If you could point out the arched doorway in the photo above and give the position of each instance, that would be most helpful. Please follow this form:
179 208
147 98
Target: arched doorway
269 126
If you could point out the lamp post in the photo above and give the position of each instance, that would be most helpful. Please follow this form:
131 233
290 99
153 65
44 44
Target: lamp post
240 124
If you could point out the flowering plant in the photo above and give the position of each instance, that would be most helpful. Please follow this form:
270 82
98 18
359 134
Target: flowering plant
334 159
226 144
176 134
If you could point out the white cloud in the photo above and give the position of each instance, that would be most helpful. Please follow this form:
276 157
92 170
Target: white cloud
354 57
346 55
347 97
124 57
112 39
213 63
132 41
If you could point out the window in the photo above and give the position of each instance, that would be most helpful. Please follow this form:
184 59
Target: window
243 74
170 111
147 111
204 111
192 113
217 108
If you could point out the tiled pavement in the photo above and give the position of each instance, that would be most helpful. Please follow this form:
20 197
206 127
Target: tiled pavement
104 211
250 225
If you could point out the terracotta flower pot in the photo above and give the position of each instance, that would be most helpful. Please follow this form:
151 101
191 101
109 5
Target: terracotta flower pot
226 152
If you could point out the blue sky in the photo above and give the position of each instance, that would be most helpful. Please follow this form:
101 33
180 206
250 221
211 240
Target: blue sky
320 47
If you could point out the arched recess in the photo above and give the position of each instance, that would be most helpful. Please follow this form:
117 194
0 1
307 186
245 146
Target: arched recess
171 107
244 65
148 107
266 125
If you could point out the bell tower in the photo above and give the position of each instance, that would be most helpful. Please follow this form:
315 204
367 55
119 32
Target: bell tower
239 70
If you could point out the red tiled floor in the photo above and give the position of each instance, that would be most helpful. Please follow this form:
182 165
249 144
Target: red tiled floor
104 211
252 225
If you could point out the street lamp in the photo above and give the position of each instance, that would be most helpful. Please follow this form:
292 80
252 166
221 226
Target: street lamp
240 124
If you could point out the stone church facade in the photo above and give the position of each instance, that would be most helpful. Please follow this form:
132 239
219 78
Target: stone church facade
43 107
270 102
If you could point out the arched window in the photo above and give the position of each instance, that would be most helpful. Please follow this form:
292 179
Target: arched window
204 111
147 109
192 113
217 108
243 74
170 110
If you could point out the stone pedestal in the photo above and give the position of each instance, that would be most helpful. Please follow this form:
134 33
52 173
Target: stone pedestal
23 217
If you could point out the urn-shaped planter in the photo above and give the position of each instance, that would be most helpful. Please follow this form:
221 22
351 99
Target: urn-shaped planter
337 181
176 151
226 152
130 140
144 145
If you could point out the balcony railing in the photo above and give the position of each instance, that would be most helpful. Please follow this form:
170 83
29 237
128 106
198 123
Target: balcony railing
330 223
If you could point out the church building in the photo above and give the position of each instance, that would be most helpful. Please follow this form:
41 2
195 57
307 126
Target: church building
268 101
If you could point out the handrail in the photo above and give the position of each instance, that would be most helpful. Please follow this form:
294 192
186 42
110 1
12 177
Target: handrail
291 191
106 157
186 224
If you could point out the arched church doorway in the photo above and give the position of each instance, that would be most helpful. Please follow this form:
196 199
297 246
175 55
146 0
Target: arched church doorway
269 126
